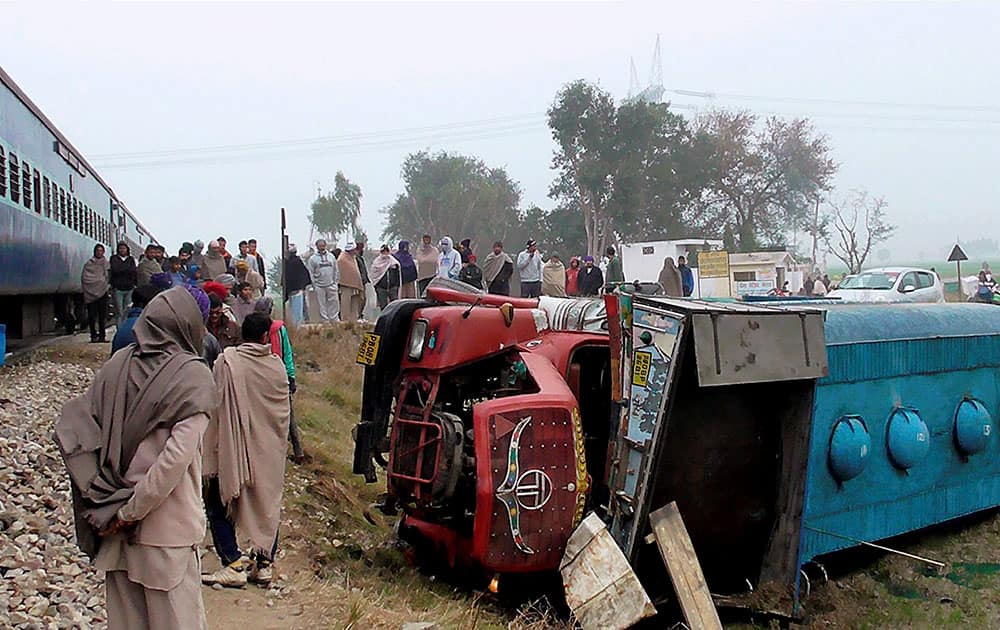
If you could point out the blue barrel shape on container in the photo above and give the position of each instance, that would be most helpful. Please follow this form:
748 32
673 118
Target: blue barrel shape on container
908 439
850 445
3 342
973 427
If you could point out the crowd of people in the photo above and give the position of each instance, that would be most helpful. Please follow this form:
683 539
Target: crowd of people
340 278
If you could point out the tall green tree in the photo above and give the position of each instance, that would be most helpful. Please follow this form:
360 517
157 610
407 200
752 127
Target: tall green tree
764 175
632 171
338 211
451 194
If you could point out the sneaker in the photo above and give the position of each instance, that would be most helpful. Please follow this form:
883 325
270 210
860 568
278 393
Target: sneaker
261 573
233 576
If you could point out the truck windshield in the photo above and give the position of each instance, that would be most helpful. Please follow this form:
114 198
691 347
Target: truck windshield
870 280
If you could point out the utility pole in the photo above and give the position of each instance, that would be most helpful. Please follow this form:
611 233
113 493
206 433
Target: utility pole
284 253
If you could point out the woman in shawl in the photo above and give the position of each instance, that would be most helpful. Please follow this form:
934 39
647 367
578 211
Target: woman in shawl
554 277
95 293
572 288
385 276
427 263
214 264
351 289
407 271
132 447
670 278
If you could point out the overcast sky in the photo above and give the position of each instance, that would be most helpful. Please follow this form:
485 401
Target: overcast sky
376 81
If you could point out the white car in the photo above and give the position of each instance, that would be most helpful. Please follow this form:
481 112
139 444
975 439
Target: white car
889 285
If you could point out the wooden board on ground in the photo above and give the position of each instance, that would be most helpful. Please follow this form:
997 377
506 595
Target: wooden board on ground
684 569
601 588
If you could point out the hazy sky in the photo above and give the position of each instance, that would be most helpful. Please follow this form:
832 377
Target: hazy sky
375 81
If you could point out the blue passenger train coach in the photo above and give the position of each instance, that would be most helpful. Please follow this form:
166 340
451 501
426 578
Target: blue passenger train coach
54 207
788 432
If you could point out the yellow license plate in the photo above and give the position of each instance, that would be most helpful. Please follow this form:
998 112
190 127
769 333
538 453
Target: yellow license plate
368 350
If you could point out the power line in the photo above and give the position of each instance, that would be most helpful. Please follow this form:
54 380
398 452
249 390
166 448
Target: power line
352 148
831 101
487 122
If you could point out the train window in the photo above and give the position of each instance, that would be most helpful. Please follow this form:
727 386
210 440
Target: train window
14 168
74 213
26 184
3 173
48 196
62 206
38 191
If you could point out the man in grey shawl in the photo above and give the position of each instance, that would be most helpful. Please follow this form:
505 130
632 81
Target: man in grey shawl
132 446
245 447
95 293
148 265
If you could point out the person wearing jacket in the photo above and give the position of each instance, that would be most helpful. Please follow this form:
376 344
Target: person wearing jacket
471 274
407 271
449 260
141 296
124 278
296 280
591 280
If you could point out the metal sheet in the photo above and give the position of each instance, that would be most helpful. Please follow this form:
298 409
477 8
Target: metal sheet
756 347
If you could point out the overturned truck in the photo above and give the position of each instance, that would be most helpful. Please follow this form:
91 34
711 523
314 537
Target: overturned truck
783 432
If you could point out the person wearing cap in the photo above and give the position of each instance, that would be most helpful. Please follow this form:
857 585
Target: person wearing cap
529 269
449 260
323 269
590 280
471 274
554 277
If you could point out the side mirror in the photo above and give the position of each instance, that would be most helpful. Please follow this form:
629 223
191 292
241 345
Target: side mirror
909 288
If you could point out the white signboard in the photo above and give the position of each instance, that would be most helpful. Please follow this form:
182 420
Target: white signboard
754 287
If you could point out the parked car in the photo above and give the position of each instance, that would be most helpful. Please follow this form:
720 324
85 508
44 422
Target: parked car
890 284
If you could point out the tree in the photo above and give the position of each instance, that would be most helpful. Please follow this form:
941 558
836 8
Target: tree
859 223
764 177
631 171
338 211
450 194
274 276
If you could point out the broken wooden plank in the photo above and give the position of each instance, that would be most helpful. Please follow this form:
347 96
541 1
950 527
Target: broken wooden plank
601 588
684 569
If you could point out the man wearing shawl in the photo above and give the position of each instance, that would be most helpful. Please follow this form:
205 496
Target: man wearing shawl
198 254
670 278
497 270
132 447
427 263
245 446
449 260
95 293
148 265
246 275
351 288
214 264
407 271
281 346
554 277
385 277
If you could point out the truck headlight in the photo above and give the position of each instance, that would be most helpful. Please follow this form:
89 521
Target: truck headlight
418 334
